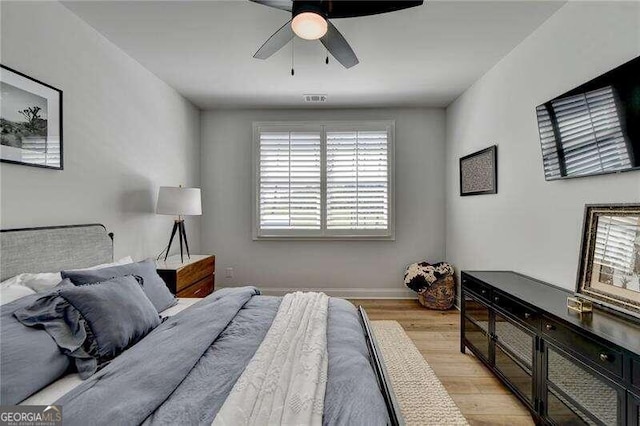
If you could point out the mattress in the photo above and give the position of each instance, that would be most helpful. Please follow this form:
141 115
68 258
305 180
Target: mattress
144 385
57 389
204 350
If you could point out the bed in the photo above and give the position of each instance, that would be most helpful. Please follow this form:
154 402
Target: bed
184 370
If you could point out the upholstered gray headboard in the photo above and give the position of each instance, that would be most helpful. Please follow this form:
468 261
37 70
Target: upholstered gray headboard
53 248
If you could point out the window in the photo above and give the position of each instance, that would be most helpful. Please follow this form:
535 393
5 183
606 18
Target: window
323 180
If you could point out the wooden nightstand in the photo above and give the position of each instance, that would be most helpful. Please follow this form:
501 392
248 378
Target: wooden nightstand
193 278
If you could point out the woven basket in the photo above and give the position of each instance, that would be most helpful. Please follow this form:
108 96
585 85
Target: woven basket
441 295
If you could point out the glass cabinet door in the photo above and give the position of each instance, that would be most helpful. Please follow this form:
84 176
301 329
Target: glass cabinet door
514 356
477 338
515 373
477 311
517 341
476 324
633 418
576 395
563 412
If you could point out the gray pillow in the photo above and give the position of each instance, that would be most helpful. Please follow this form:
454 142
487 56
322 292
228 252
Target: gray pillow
153 286
29 357
94 323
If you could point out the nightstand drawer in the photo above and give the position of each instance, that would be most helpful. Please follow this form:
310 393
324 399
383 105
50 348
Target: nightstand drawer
194 272
202 288
181 275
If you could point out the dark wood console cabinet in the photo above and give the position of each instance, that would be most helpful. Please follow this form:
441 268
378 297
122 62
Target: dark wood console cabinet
566 368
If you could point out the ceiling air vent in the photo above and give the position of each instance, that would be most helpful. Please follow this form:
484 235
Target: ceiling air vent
315 98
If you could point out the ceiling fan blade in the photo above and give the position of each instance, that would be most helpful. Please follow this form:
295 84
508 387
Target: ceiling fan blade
351 9
276 42
338 47
277 4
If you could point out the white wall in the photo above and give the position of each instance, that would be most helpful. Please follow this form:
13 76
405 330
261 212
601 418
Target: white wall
533 226
125 133
342 268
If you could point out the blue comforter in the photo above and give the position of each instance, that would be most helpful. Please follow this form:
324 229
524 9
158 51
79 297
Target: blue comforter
182 372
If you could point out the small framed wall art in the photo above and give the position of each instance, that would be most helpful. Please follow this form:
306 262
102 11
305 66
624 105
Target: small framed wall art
479 172
30 121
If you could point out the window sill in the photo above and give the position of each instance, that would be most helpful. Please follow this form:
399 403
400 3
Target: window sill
325 238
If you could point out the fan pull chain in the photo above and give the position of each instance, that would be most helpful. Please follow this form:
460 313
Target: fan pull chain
326 61
293 71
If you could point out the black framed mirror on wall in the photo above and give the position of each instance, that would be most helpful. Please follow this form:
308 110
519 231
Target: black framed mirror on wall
609 272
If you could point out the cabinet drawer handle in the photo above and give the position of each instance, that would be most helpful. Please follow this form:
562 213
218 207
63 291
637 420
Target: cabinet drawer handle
496 299
483 291
527 315
605 357
549 327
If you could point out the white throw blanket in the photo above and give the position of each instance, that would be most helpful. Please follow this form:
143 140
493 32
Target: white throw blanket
285 381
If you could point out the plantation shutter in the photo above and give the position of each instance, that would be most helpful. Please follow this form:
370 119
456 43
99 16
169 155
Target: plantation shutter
323 180
357 176
289 180
582 134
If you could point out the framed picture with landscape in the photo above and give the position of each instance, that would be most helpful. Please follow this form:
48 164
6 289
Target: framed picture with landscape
30 121
609 272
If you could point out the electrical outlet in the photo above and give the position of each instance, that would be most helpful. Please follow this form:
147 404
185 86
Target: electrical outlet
228 273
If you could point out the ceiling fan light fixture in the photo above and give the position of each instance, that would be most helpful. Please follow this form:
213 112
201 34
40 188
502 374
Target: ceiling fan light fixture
309 25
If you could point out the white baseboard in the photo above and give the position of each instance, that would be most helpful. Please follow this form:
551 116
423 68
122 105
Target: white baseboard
347 293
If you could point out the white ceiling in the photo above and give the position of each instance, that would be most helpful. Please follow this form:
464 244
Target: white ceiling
425 56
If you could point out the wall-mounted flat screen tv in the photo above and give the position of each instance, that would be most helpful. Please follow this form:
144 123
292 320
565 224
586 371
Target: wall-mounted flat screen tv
595 128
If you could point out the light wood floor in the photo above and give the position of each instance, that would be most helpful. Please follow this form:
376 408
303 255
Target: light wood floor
482 399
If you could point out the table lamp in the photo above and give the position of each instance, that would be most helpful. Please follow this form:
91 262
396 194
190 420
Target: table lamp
180 202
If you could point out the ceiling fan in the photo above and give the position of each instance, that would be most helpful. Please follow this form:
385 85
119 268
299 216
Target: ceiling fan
310 21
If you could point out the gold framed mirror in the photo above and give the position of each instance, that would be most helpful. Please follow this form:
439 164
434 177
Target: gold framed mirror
609 272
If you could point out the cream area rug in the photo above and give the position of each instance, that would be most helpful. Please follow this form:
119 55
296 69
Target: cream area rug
422 398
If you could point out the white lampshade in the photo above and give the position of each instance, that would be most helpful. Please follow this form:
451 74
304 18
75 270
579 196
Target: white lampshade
179 201
309 25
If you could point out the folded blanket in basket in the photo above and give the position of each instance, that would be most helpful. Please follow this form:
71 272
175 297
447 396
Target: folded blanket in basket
421 275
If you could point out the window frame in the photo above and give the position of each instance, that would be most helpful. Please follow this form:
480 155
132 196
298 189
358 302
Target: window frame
323 233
